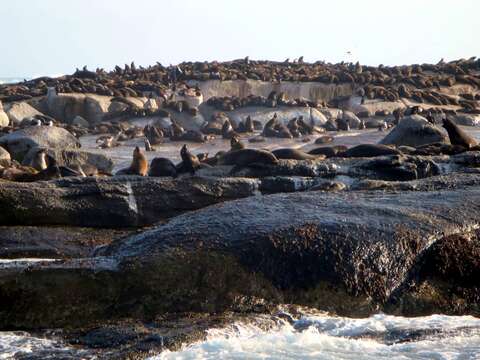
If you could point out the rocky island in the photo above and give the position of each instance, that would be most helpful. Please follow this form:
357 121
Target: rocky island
141 206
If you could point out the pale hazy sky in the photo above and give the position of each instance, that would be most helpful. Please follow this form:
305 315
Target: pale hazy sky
48 37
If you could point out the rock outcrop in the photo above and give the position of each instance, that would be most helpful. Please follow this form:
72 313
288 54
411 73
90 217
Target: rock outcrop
21 141
351 253
75 157
18 111
414 131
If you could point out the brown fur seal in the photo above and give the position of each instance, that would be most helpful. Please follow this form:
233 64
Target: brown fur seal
139 165
324 139
458 136
295 154
162 167
236 144
190 161
369 150
328 151
247 157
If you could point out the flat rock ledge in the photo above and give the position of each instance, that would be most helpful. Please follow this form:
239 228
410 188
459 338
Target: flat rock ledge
134 201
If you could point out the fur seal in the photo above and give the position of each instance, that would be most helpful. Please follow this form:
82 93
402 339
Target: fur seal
457 135
324 139
190 161
227 130
236 144
162 167
245 157
328 151
139 165
295 154
39 160
369 150
148 146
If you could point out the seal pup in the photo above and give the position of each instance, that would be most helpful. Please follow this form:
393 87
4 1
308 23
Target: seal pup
139 165
236 144
162 167
457 135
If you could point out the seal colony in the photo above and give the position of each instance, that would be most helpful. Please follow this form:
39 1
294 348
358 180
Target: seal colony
356 203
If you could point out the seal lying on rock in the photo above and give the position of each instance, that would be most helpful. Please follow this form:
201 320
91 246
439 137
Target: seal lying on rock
139 165
162 167
328 151
369 150
295 154
458 136
245 157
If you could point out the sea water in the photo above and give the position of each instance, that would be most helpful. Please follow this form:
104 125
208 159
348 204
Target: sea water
327 337
317 336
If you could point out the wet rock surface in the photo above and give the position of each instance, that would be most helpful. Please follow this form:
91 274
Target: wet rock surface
349 252
53 242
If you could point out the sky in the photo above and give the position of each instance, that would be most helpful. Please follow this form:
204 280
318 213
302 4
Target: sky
53 37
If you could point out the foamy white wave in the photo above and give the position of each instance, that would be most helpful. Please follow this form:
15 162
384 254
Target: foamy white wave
15 343
326 337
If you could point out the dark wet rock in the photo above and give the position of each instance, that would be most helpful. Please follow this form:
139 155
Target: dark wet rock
352 253
395 168
21 141
53 242
328 185
446 277
276 184
414 131
122 201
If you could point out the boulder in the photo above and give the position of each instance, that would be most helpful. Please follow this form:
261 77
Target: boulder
4 120
19 142
91 107
331 113
75 157
4 157
18 111
120 201
414 131
317 118
374 123
351 118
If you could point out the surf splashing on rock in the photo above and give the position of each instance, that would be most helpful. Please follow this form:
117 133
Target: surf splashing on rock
327 337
